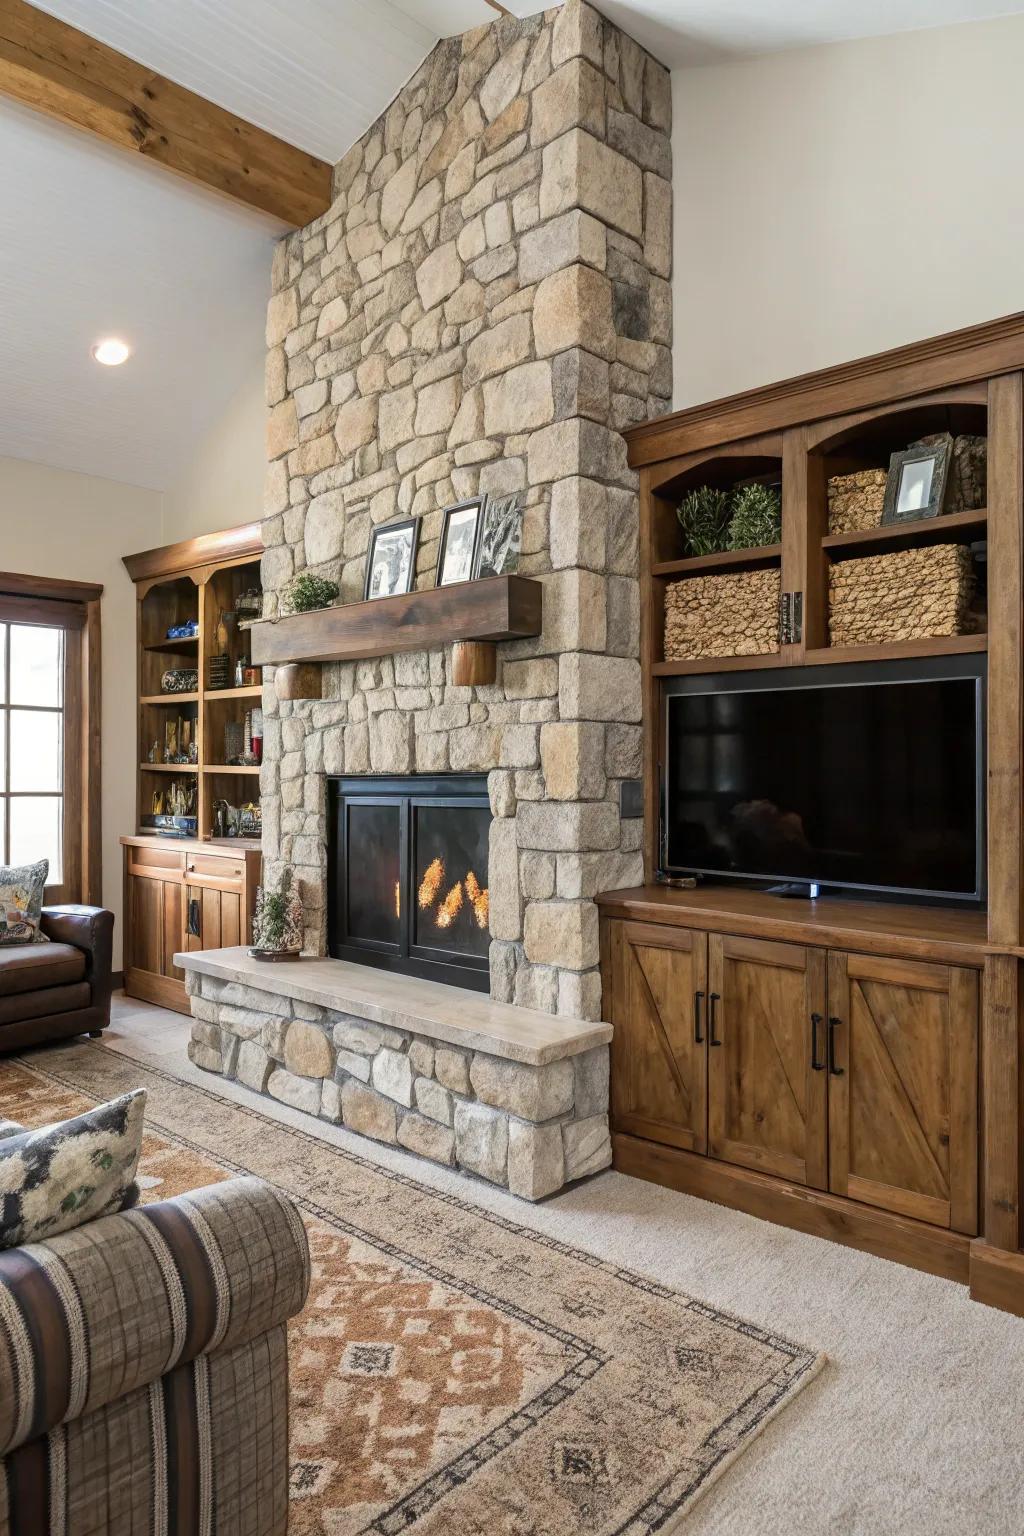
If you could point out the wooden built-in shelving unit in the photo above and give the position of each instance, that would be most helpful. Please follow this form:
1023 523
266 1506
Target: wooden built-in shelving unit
922 1162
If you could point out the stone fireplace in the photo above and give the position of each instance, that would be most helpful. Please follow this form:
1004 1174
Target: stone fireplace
482 309
407 875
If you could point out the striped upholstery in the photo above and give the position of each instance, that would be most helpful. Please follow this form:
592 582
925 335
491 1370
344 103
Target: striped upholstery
143 1369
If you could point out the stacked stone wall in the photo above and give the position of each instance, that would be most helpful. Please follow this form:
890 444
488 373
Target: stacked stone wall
483 308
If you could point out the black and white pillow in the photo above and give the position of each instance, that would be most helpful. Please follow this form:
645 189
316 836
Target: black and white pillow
21 902
64 1175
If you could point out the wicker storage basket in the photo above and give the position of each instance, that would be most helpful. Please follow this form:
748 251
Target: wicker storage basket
856 501
735 614
912 595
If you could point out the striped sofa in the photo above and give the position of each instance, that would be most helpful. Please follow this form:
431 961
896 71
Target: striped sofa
144 1369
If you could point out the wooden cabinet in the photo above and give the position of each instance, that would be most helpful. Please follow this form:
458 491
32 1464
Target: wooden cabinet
903 1087
766 1078
851 1075
182 896
659 1065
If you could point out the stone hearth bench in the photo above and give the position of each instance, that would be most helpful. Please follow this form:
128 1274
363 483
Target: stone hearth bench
516 1096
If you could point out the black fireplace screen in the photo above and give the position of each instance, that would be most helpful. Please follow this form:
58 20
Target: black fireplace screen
407 875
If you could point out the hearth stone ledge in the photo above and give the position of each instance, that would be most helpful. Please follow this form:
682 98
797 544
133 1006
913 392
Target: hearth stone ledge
517 1097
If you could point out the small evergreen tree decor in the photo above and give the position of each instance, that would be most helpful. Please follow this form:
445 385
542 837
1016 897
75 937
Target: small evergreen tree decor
306 592
277 920
704 518
756 517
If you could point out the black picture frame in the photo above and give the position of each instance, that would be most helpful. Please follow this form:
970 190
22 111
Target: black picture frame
476 505
500 540
410 528
923 471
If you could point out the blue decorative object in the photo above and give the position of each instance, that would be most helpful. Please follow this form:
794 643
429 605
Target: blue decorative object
186 631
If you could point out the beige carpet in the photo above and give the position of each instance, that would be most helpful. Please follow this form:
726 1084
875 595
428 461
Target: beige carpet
454 1372
914 1428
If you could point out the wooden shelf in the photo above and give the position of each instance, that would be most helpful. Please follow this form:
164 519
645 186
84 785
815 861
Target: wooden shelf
724 560
712 664
496 608
936 645
253 692
184 643
927 530
229 768
168 768
169 698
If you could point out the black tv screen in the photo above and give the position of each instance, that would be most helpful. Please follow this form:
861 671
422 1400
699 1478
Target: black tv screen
873 779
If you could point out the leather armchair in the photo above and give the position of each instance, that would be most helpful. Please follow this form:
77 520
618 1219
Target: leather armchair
51 991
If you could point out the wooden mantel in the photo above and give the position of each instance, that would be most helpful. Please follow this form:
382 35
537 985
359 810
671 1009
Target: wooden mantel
496 608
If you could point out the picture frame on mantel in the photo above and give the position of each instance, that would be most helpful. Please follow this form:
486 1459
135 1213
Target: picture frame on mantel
391 562
460 537
501 536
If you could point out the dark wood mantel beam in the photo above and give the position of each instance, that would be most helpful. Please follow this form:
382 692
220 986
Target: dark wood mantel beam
48 65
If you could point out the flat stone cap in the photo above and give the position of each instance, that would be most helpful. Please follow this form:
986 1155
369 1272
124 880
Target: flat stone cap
450 1014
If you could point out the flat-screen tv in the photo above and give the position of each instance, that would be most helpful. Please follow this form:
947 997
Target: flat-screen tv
869 776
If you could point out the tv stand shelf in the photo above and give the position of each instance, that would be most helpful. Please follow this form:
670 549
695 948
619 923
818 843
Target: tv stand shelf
947 936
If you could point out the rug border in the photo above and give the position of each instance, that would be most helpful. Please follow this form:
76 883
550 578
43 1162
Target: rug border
806 1364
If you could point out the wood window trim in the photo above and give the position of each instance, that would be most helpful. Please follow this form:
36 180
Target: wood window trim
73 606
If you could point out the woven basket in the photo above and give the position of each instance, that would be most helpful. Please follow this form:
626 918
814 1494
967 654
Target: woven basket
856 501
729 615
913 595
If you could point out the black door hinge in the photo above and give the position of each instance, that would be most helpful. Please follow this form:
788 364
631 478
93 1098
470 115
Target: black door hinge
791 618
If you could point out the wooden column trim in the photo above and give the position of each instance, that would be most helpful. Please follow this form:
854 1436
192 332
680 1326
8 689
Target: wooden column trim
56 69
1000 1077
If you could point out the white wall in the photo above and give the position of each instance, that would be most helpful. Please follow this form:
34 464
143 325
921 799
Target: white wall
223 485
58 524
835 201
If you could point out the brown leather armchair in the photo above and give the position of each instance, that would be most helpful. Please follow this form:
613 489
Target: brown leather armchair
50 991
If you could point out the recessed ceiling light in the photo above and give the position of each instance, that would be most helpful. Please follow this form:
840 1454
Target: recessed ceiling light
111 352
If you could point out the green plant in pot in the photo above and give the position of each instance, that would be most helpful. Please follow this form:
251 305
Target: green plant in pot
306 592
704 519
277 921
756 517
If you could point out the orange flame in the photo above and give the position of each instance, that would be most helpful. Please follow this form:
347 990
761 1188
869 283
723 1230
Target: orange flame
431 882
398 899
482 909
450 907
472 886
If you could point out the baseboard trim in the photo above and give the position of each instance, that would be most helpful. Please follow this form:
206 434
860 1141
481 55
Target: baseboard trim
997 1277
165 991
899 1238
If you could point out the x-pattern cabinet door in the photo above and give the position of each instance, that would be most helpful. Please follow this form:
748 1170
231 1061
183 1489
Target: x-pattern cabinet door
766 1080
659 1051
903 1087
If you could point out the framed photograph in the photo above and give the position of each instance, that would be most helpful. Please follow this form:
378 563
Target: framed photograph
501 535
457 556
916 486
392 560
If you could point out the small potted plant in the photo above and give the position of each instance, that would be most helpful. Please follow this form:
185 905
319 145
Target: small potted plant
277 921
305 592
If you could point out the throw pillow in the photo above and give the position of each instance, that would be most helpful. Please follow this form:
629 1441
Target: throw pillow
21 902
64 1175
10 1128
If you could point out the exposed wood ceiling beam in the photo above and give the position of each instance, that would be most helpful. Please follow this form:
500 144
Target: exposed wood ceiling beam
58 70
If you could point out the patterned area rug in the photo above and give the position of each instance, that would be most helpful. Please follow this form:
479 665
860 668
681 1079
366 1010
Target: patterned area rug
454 1373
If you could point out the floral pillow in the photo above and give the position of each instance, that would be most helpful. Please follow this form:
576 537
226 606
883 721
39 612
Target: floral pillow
21 903
64 1175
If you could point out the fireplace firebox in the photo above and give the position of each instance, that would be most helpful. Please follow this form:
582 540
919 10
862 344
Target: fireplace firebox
407 875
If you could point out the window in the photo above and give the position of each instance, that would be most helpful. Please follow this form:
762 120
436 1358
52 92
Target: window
32 737
49 731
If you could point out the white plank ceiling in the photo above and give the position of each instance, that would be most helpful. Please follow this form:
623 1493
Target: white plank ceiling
94 242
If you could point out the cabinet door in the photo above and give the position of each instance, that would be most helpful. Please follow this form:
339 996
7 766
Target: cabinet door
156 923
659 1049
766 1079
213 916
903 1087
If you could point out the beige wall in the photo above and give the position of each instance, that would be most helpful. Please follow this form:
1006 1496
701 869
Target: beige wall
54 523
835 201
223 485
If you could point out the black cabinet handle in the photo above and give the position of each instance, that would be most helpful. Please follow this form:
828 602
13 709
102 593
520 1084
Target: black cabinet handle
816 1065
193 920
833 1025
713 999
698 998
